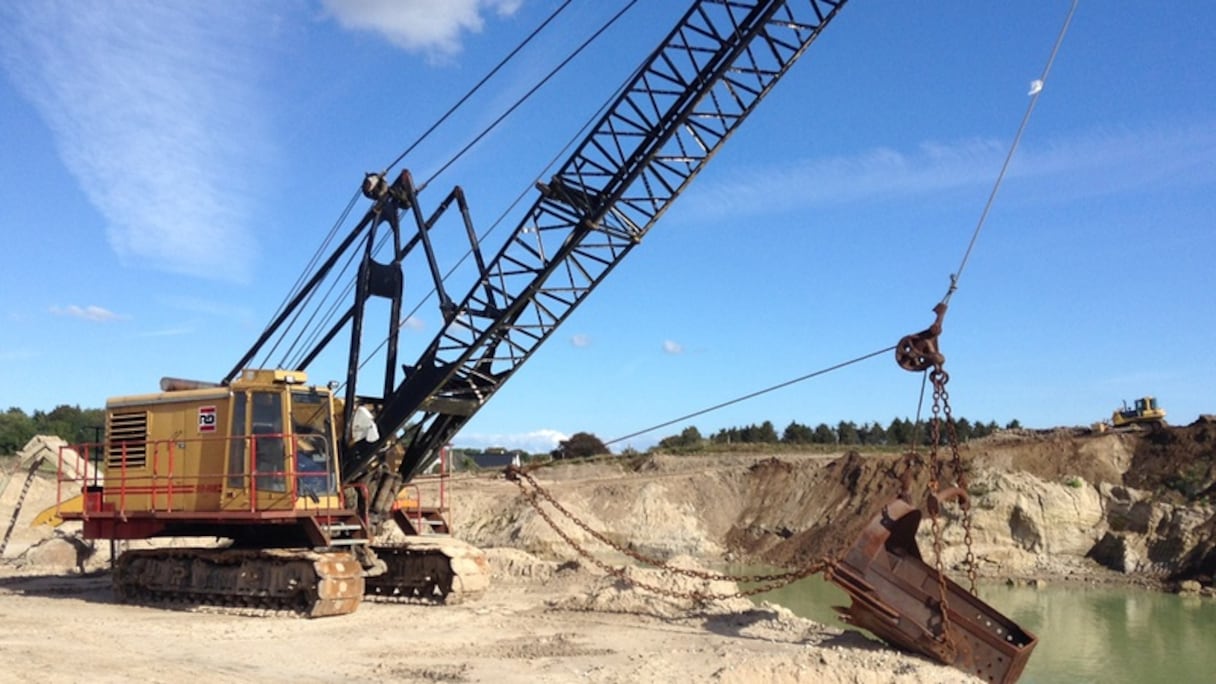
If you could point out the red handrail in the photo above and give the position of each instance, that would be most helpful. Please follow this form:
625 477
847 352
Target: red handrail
169 498
122 485
161 482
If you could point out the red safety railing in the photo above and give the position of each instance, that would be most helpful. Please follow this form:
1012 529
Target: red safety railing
430 493
153 469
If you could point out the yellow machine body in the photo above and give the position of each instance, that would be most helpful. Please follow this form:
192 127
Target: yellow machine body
265 442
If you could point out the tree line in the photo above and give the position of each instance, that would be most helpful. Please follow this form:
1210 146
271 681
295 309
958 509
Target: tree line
900 431
72 423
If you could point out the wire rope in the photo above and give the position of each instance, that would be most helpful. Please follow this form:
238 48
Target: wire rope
506 212
528 188
316 257
1036 90
510 110
355 196
477 87
753 395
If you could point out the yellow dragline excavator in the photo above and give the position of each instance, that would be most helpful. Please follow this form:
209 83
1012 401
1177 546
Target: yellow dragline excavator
302 480
305 479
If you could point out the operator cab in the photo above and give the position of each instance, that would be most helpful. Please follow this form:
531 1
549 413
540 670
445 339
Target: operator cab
282 450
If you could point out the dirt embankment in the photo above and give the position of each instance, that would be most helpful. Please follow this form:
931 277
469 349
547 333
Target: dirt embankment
1059 504
1130 506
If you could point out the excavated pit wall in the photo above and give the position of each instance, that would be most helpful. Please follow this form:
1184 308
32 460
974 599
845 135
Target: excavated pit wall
1051 504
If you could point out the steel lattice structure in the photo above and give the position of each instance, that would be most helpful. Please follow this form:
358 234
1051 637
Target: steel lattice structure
681 105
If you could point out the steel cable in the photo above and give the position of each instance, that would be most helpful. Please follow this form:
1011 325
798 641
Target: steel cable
1036 90
753 395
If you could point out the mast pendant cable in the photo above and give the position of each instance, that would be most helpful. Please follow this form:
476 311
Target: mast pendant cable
485 131
301 335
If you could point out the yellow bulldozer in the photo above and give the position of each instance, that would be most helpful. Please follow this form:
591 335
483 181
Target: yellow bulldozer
1144 411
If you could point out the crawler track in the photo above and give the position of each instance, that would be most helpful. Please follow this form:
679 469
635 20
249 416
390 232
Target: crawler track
430 569
246 582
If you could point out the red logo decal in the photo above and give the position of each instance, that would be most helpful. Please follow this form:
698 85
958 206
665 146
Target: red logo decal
206 419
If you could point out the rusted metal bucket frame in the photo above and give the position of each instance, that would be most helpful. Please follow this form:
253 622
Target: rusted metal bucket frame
897 596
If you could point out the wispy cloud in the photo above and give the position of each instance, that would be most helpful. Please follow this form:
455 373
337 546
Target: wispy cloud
88 313
423 26
207 307
673 347
167 332
413 323
1099 161
535 442
153 109
8 355
580 341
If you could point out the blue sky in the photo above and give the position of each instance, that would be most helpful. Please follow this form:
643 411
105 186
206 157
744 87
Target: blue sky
169 168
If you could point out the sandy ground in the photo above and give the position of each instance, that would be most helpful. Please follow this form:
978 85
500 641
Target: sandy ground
66 628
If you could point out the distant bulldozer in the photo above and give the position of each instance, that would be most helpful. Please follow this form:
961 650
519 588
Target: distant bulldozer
1145 411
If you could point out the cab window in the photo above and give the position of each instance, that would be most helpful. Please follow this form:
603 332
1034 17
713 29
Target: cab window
270 461
311 427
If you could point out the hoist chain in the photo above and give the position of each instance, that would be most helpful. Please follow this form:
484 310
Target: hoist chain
764 583
920 352
939 378
935 525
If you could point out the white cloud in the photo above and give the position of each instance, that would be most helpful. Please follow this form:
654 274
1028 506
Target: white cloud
425 26
412 323
535 442
673 347
88 313
153 109
580 341
1095 162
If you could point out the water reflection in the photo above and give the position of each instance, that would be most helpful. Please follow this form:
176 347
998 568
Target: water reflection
1112 635
1085 634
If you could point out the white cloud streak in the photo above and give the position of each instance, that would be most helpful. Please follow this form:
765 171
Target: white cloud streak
207 307
10 355
580 341
672 347
1096 162
89 313
413 323
153 109
535 442
422 26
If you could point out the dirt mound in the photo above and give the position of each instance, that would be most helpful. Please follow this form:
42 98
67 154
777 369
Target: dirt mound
797 513
1177 463
1056 455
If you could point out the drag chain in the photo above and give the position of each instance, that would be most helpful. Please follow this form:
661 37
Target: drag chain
765 583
